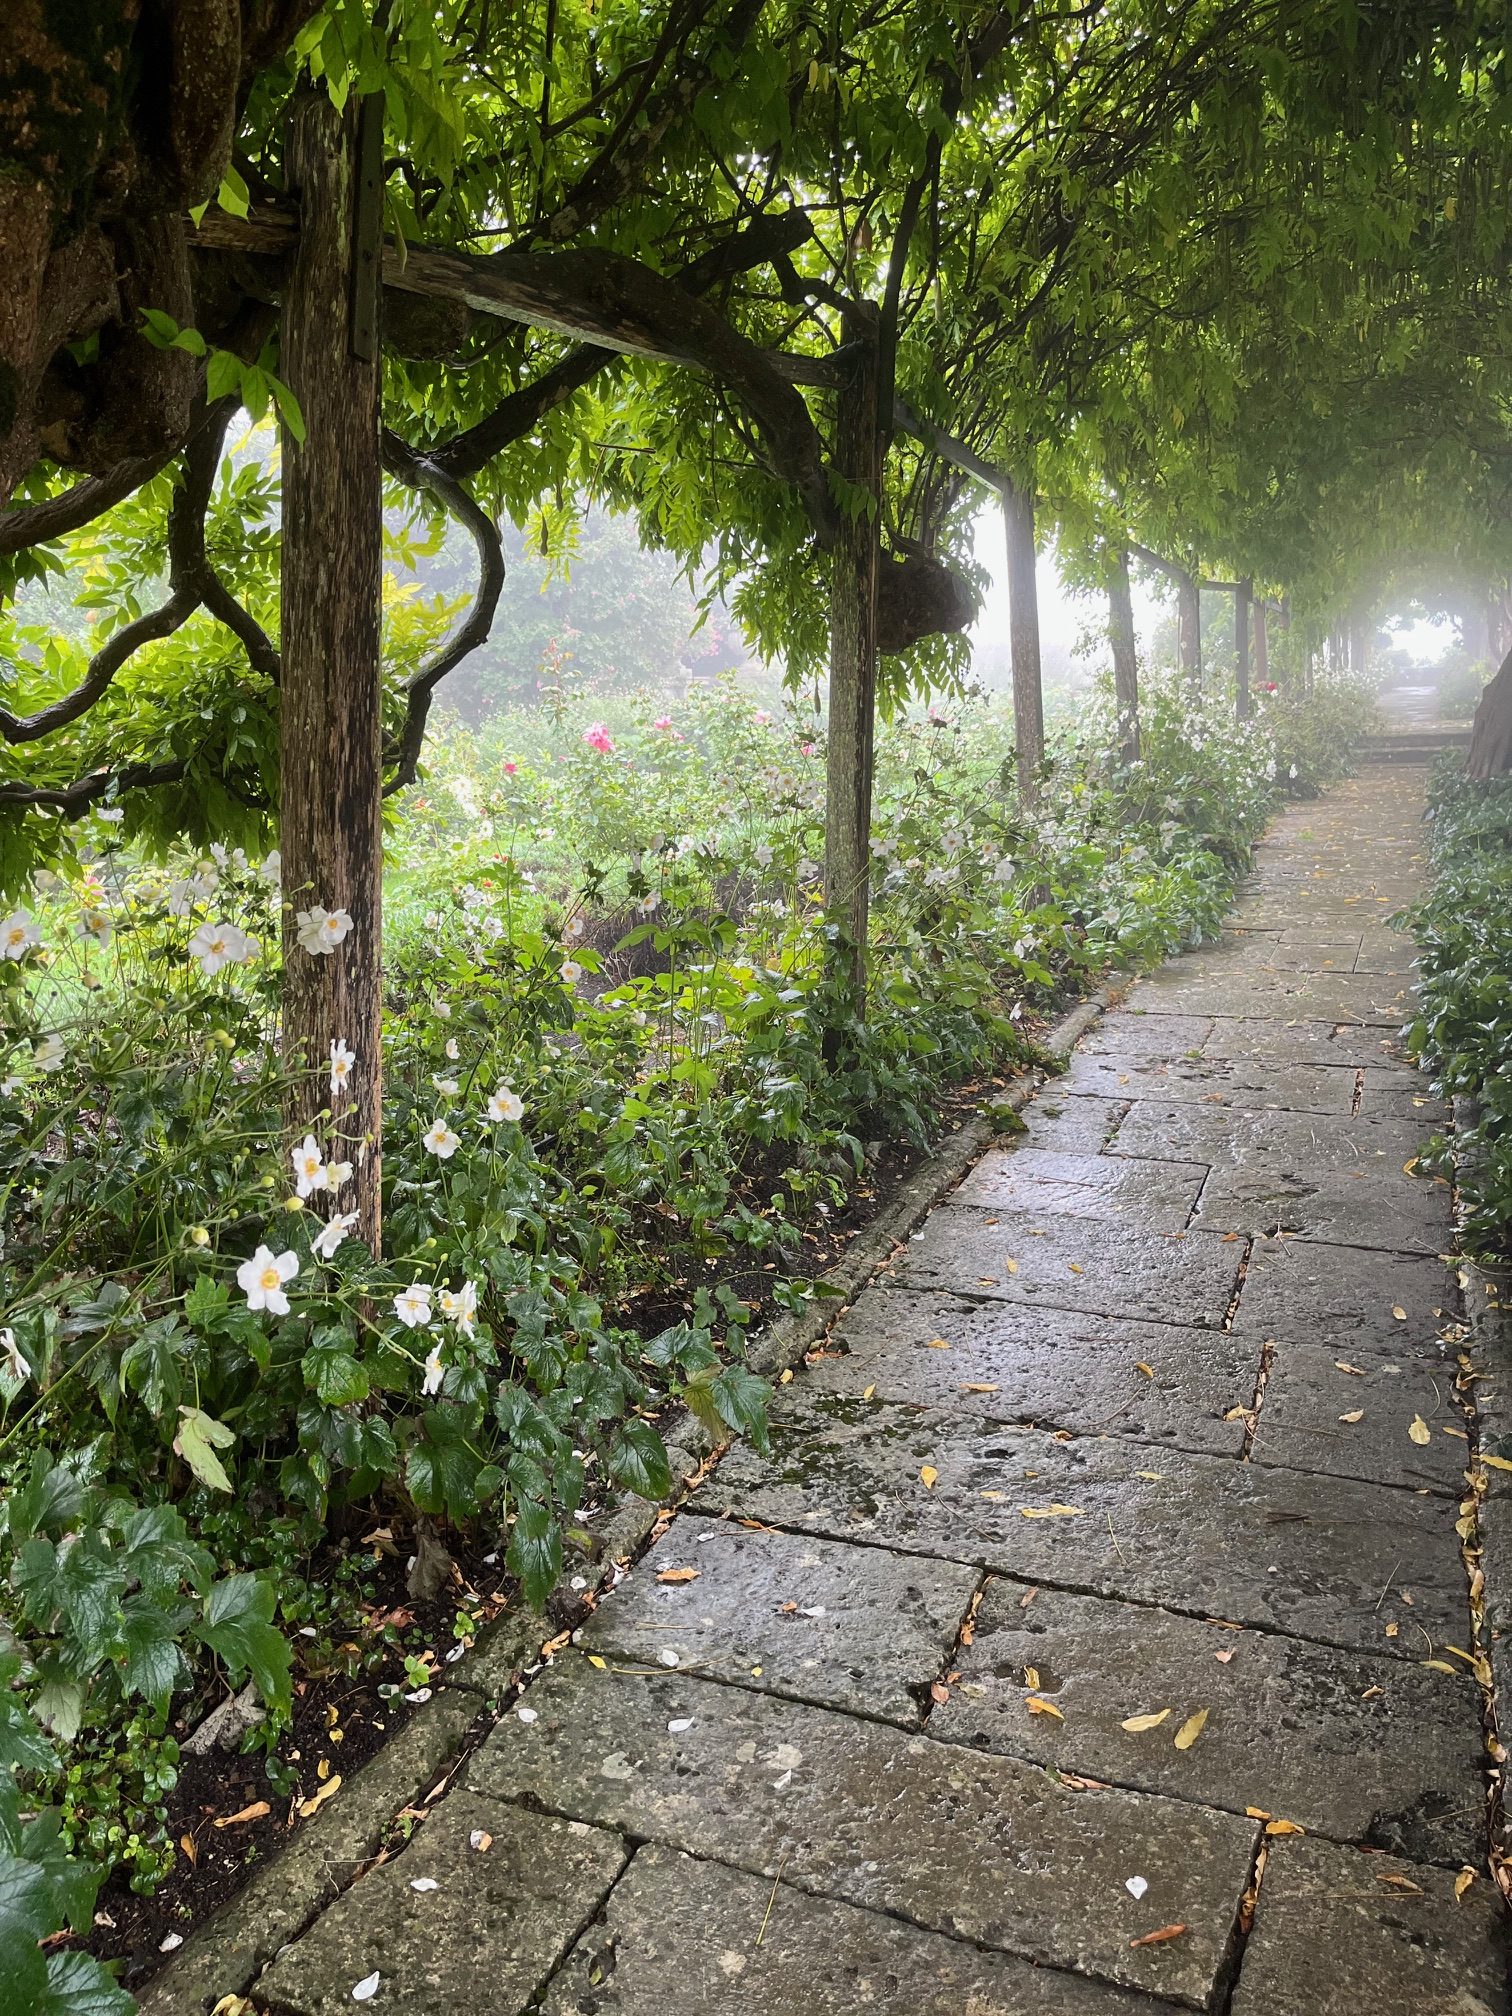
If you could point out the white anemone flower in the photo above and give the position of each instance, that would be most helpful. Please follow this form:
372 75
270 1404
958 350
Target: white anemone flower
322 930
270 870
310 1172
96 924
506 1104
440 1140
262 1279
571 972
12 1364
332 1234
412 1306
338 1175
461 1308
342 1060
18 934
453 1050
111 814
649 905
435 1372
216 945
49 1054
572 930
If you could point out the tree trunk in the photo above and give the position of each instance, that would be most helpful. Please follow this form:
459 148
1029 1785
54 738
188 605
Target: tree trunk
853 655
1125 657
1024 636
1189 631
1359 644
1490 751
1262 646
331 769
1244 596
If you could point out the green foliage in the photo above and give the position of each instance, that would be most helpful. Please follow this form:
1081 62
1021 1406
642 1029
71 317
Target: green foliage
1463 1029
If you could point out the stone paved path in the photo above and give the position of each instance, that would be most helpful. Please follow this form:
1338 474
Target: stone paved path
1092 1582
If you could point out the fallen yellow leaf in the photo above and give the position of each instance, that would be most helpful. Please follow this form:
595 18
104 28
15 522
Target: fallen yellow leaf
1345 1366
1011 1265
253 1812
1399 1312
594 1660
1463 1881
927 1476
1137 1724
318 1799
1496 1462
1283 1827
679 1574
1419 1431
1049 1511
1357 1415
1159 1938
1038 1707
1191 1729
937 1344
1148 1370
973 1387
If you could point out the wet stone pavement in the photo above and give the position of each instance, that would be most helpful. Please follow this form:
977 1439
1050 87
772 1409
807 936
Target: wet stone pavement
1095 1639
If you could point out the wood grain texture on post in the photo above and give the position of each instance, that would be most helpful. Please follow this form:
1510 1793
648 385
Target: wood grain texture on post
331 770
1125 656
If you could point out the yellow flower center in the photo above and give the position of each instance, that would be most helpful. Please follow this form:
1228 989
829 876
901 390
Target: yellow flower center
269 1278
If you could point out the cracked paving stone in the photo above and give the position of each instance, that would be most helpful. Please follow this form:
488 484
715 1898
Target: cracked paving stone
986 1848
1309 1143
1249 1041
1366 1208
1070 1126
1053 1367
1293 951
1373 1750
1386 952
1365 998
1162 1195
485 1937
1143 1035
1339 1931
1388 1090
849 1627
681 1937
1215 1081
1280 1549
1346 1296
1073 1263
1311 1392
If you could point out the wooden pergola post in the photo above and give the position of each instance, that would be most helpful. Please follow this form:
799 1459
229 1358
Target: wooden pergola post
1125 657
1024 636
855 567
1244 598
331 764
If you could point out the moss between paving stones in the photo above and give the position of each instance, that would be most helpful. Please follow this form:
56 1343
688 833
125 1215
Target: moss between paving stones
225 1955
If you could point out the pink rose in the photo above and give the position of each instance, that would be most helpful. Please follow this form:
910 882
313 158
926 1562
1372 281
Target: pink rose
597 736
662 721
510 769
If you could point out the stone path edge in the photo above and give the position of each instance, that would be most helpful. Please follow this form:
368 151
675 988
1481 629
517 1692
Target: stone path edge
226 1953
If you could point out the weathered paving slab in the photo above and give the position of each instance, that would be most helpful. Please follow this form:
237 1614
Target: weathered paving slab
1339 1931
1345 1296
681 1937
984 1847
1386 952
1256 1040
1317 951
1348 997
1160 1195
1368 1749
1390 1419
849 1627
1389 1090
1357 1208
1307 1142
484 1931
1218 1081
1145 1035
1318 1557
1068 1125
1074 1263
1055 1367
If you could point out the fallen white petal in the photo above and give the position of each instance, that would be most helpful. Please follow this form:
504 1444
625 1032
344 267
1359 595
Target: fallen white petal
667 1656
1136 1887
527 1714
171 1942
424 1883
676 1728
366 1988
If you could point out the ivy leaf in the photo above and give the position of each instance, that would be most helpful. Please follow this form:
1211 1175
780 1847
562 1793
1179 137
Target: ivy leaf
238 1625
535 1551
198 1439
77 1985
331 1371
638 1460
